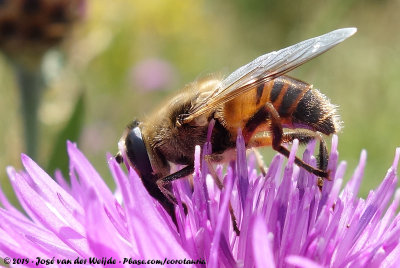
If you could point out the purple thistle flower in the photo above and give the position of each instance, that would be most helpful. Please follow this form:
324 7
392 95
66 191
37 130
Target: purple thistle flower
284 219
153 75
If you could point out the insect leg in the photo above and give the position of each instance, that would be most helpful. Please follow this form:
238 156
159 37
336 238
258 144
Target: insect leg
277 139
220 185
260 161
260 141
305 137
163 182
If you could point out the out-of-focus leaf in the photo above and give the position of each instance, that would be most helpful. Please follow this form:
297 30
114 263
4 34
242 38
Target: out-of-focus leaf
72 130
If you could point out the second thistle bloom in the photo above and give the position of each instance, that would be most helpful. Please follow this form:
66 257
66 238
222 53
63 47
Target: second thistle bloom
31 26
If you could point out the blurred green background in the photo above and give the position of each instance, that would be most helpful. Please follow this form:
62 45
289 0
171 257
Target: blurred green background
128 56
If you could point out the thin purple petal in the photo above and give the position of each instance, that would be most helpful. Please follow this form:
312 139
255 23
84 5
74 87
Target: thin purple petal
261 244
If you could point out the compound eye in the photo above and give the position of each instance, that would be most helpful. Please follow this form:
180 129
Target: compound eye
137 153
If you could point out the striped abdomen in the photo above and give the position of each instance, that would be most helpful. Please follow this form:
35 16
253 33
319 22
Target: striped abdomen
301 106
298 104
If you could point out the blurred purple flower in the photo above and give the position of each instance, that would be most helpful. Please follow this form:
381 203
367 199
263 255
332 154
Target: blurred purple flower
95 137
283 217
153 75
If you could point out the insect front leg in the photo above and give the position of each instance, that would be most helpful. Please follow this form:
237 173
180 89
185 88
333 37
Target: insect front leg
163 182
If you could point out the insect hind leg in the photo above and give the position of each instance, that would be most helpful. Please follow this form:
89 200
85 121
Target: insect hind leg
278 137
305 137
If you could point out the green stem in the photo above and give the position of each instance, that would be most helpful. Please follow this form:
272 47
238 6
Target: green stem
31 86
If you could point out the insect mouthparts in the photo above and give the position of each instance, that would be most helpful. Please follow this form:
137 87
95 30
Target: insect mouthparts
118 157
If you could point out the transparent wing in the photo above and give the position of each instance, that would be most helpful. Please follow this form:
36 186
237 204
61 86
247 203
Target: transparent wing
267 67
